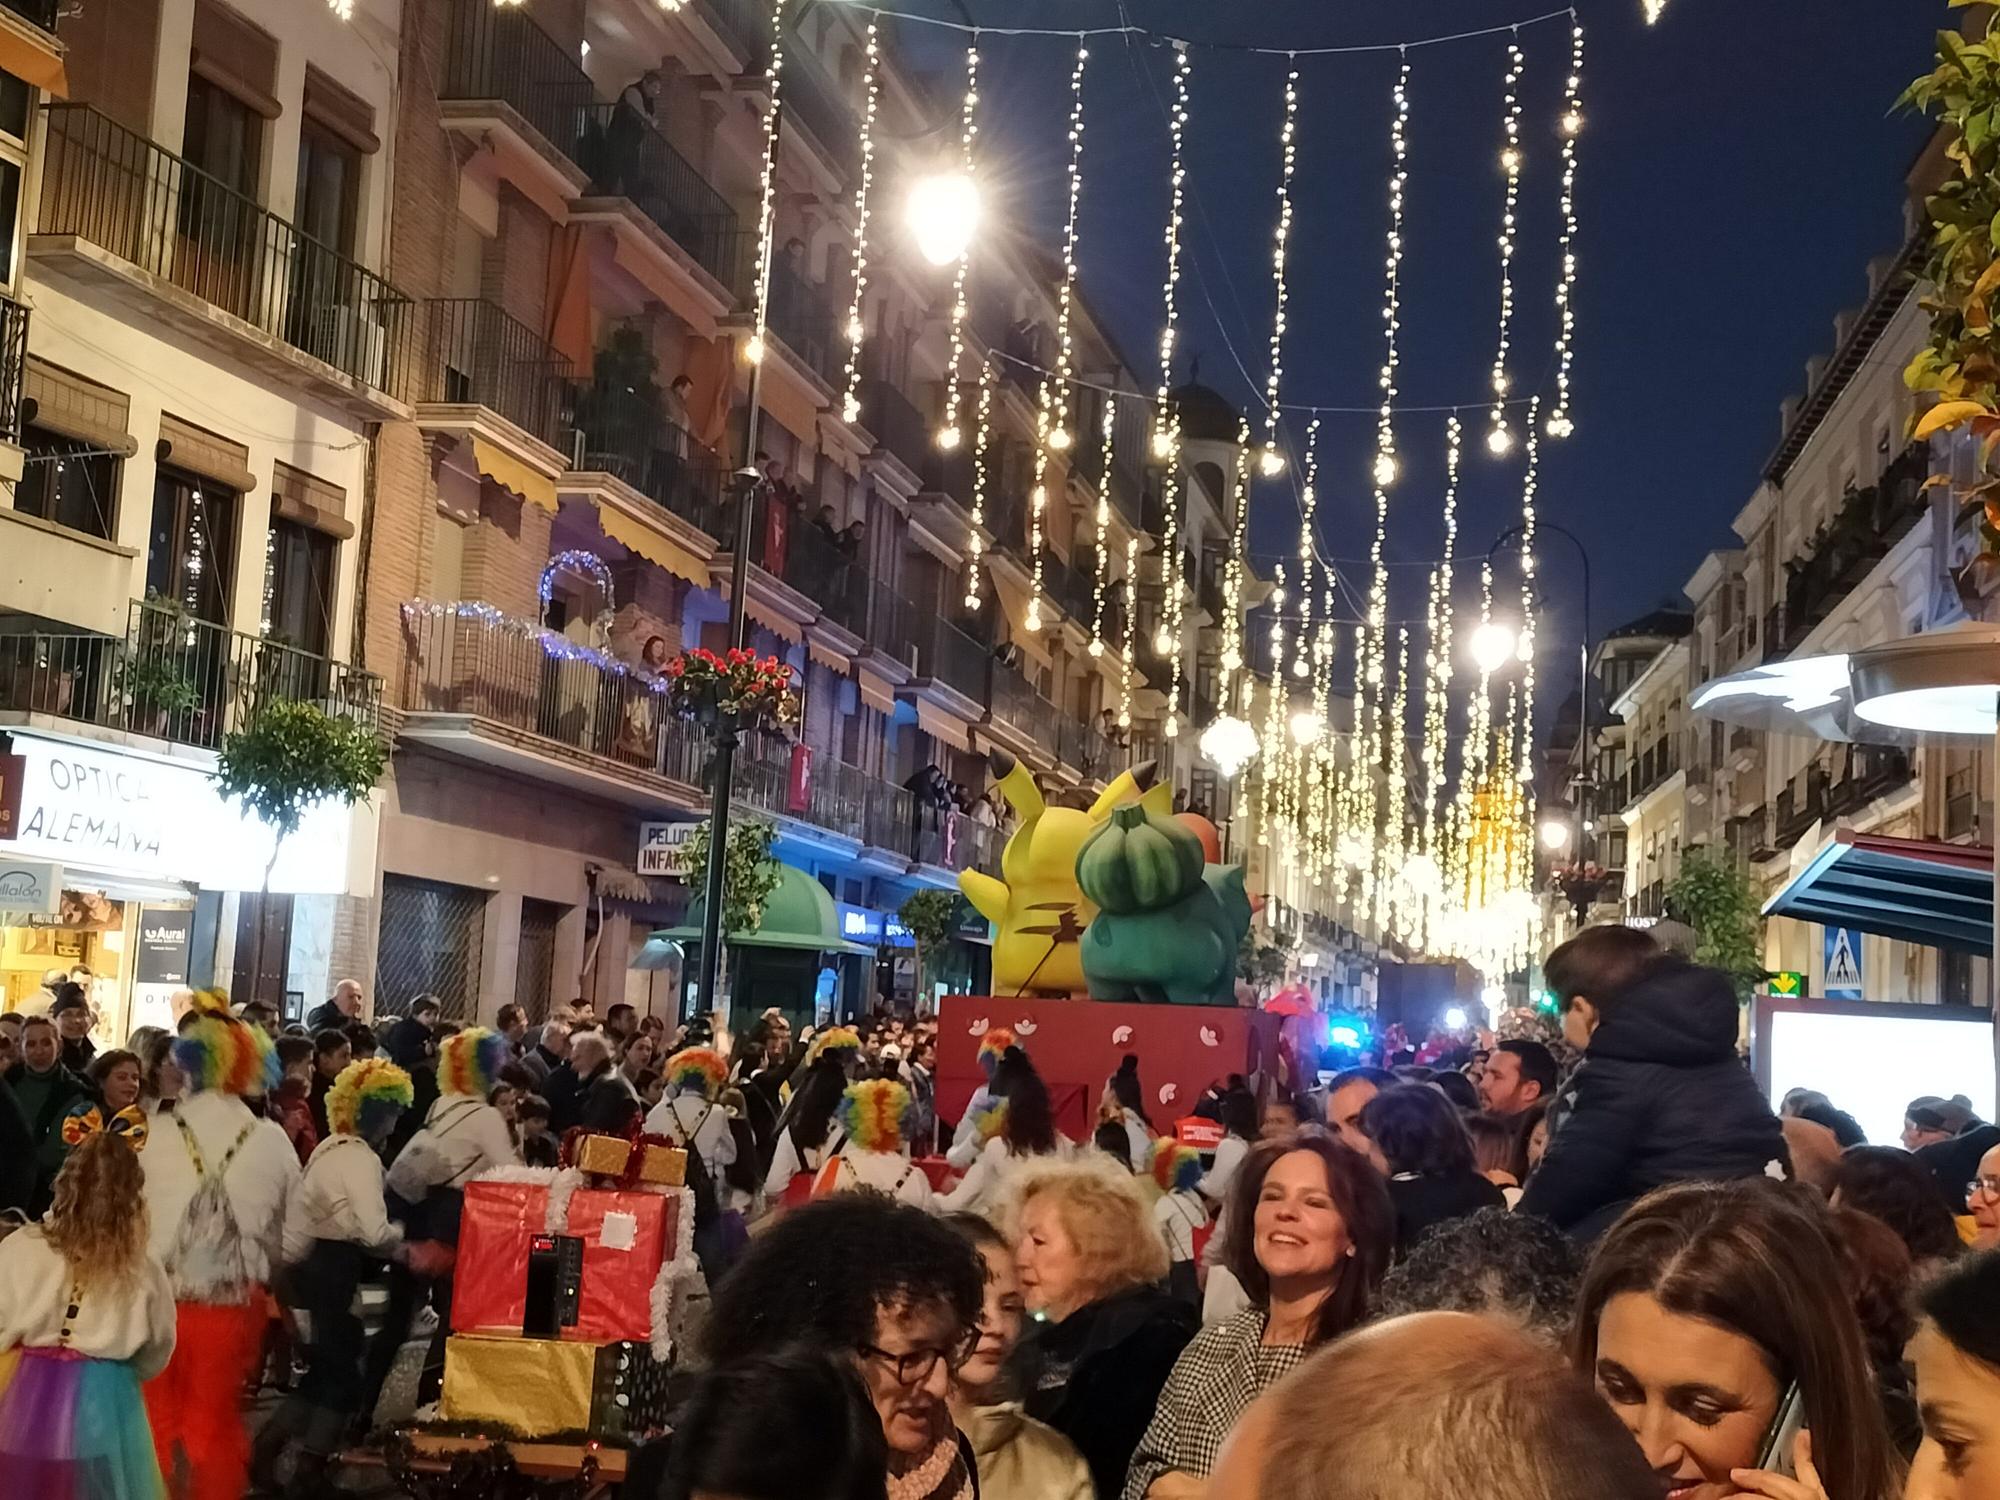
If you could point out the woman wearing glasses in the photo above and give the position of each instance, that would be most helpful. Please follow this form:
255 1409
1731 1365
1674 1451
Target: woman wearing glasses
888 1287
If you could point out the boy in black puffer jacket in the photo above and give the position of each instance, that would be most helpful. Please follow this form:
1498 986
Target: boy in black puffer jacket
1661 1096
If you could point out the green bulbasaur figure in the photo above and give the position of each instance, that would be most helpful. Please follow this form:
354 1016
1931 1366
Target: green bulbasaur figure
1167 924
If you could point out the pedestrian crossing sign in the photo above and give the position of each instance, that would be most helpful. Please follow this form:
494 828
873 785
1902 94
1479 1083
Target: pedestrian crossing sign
1843 964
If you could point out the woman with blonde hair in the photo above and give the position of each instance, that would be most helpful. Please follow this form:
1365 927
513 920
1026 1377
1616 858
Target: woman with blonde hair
1090 1259
87 1318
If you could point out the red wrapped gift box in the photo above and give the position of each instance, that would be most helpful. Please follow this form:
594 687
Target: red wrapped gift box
621 1257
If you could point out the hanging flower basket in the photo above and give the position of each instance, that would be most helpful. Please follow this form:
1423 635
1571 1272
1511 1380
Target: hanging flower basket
703 685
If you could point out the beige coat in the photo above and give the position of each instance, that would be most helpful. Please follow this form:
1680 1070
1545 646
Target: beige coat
1021 1459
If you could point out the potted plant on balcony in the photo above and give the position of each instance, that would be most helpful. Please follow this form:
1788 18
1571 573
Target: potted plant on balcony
703 685
155 678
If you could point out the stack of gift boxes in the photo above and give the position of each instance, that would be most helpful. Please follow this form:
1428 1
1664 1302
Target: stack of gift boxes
565 1291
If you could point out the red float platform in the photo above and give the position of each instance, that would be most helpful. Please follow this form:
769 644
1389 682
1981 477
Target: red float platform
1078 1044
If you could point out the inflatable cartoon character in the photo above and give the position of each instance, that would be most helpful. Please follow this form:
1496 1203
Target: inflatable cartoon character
1169 923
1038 912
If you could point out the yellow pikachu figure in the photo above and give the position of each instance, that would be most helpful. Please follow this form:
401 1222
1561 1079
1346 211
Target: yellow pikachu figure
1037 910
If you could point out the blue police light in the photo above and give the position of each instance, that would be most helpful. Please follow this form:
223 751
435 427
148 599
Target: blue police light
1344 1036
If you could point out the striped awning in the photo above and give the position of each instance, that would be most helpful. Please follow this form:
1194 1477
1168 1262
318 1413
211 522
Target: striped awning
507 471
652 544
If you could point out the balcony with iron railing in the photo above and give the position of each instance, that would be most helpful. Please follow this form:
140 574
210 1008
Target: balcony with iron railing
897 424
174 677
38 13
949 654
1840 554
13 366
811 99
619 435
490 675
501 56
174 225
804 558
802 317
469 352
628 157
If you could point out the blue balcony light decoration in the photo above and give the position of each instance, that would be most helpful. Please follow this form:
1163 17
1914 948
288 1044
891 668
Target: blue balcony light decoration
576 561
553 645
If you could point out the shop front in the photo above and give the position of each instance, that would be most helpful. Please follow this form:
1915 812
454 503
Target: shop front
130 873
783 961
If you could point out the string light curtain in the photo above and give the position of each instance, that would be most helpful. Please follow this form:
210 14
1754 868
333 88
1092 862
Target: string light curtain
952 433
1499 437
982 435
1561 425
850 406
1101 520
1438 659
1052 435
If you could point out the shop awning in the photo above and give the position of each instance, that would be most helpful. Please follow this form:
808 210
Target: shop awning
650 543
1911 890
935 722
879 693
507 471
799 913
34 63
819 651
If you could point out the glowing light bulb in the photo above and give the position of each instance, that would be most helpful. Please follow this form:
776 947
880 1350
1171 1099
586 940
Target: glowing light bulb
1163 643
850 409
1307 727
1034 619
1059 438
1270 463
1385 470
1560 427
1510 160
855 332
1572 123
1163 443
1493 646
943 215
1499 441
754 349
1096 648
950 437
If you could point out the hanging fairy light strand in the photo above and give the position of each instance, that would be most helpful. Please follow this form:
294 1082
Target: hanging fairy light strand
1308 552
1438 663
1236 564
1125 652
768 195
1271 462
1392 297
975 540
1166 421
951 434
1560 424
1101 528
1499 437
1052 437
1529 592
850 406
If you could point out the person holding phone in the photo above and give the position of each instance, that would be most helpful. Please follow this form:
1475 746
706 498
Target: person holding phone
1714 1320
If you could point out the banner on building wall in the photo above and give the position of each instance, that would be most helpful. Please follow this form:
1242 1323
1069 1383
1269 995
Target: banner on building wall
798 781
663 849
1843 964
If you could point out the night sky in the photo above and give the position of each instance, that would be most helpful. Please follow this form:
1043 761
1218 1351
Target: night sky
1740 166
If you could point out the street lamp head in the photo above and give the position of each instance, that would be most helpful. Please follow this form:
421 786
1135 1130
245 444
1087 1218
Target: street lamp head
1555 835
943 214
1493 645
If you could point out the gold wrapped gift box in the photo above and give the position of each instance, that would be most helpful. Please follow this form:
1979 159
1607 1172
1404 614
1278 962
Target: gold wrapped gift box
533 1387
607 1155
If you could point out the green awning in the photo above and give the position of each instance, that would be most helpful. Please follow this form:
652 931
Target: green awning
799 914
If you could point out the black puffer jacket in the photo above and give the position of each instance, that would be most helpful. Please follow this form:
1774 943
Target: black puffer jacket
1661 1098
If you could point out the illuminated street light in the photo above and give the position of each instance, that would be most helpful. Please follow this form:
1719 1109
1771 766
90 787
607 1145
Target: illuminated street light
1307 727
1493 646
1231 743
1555 835
943 214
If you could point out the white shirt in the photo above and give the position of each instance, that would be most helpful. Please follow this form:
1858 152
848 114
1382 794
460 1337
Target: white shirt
965 1142
130 1318
260 1181
700 1126
1179 1215
469 1137
889 1172
1214 1184
982 1186
1139 1138
340 1198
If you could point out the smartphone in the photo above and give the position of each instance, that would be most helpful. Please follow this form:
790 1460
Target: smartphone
1776 1455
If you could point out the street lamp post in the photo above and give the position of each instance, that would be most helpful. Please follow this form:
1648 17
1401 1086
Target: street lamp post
728 732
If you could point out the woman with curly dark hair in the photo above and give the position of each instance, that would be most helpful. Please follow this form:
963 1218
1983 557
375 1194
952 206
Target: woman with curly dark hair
1417 1139
885 1286
1899 1190
1310 1227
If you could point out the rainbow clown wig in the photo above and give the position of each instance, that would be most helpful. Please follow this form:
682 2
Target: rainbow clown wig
221 1054
878 1114
367 1096
833 1039
993 1046
1176 1168
989 1117
700 1071
469 1061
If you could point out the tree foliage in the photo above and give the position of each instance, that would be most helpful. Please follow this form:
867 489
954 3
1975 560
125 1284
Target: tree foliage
1714 898
931 917
293 755
749 874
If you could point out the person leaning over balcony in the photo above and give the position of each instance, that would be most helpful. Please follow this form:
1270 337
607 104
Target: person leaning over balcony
637 113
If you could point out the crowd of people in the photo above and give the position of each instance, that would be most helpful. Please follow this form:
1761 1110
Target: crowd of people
1597 1265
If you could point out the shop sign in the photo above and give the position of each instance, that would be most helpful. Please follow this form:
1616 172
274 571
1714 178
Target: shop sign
860 925
128 814
164 936
663 849
1787 983
31 886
